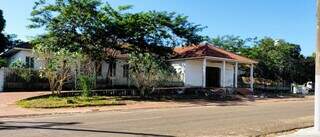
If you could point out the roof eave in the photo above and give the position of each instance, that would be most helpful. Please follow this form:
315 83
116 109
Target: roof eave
214 58
13 51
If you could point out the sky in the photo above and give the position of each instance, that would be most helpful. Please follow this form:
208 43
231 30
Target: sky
291 20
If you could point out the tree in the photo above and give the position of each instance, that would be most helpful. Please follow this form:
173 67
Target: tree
13 41
91 26
280 61
148 72
76 25
57 66
232 43
3 39
156 32
309 68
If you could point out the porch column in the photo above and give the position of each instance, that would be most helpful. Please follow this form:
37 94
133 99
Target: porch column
224 74
204 65
236 75
251 77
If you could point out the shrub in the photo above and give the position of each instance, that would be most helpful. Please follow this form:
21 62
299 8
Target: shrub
86 84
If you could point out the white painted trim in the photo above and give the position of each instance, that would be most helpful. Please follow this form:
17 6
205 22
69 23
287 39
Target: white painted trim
211 58
14 49
25 49
204 65
236 75
224 74
220 59
251 77
183 59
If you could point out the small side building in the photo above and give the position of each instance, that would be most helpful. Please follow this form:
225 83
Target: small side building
209 66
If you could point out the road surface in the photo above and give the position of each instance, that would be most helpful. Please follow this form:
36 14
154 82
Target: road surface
237 120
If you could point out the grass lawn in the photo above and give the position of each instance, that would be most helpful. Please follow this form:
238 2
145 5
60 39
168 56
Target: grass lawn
74 101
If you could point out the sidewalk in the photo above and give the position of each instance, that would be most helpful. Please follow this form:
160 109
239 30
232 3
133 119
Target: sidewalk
308 132
9 109
8 100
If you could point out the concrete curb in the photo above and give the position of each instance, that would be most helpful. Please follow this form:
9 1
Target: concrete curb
283 133
92 111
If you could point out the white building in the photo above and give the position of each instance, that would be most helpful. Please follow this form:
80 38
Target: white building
209 66
198 65
116 74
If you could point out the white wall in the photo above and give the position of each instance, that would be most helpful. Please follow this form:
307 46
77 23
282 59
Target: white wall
22 54
119 79
190 71
193 75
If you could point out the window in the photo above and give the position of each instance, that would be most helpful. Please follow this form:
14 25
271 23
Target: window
125 70
112 69
29 62
98 68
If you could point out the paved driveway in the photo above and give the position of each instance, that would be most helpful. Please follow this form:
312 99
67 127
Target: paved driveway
8 99
237 120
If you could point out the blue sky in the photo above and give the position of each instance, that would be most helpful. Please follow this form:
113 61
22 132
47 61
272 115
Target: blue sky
292 20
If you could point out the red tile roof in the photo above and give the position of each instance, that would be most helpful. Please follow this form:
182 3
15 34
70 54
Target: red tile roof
210 51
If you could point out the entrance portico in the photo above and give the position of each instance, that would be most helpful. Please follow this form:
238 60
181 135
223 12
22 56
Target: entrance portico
223 62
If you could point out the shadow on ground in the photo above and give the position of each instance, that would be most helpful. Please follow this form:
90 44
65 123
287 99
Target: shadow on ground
14 125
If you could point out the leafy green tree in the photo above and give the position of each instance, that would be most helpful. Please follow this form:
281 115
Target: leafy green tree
76 25
3 39
154 31
309 65
13 41
232 43
57 65
91 26
279 60
148 72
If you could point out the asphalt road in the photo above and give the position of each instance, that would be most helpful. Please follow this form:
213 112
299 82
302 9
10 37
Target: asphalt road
240 120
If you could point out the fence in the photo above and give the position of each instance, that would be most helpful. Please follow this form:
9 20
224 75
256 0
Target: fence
21 79
271 91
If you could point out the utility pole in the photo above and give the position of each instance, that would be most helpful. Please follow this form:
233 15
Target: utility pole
317 75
